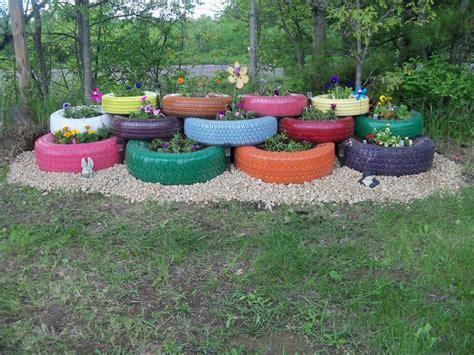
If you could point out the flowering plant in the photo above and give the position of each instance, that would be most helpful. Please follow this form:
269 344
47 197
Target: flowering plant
281 143
313 114
96 95
178 144
235 112
81 112
146 111
386 138
385 110
121 90
199 86
67 136
336 90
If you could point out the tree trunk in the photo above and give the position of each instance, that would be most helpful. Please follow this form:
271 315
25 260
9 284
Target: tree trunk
19 42
359 55
318 24
39 48
79 51
300 54
86 49
253 67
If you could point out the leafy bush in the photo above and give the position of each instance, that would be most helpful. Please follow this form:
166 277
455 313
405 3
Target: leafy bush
313 114
435 83
82 112
177 144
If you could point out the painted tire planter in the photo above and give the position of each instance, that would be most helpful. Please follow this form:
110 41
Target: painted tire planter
318 131
411 128
378 160
278 106
203 107
231 133
57 122
344 107
127 104
286 167
174 169
145 129
66 158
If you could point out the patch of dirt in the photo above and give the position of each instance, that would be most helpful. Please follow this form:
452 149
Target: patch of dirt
273 344
56 318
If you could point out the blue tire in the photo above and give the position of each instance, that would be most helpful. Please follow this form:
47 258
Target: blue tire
231 133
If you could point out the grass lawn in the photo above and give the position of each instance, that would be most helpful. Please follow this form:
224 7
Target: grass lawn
86 272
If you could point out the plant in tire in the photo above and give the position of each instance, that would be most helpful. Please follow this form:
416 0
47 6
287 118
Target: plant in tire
281 143
313 114
387 139
177 144
386 110
67 136
348 102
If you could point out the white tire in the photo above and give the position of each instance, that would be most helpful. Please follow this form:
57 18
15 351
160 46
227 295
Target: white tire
58 122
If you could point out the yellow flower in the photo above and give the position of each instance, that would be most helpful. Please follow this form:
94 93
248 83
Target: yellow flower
180 80
237 75
67 134
74 131
383 98
91 131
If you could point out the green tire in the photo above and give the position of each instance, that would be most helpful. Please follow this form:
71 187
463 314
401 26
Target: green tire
174 169
410 128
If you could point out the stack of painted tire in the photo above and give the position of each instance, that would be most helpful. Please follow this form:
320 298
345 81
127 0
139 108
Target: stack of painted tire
390 161
66 158
282 167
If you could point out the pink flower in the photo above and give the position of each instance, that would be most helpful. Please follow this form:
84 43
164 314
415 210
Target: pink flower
96 95
237 114
156 112
143 99
148 108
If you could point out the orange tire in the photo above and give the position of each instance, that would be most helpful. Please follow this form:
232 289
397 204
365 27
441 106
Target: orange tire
202 107
286 167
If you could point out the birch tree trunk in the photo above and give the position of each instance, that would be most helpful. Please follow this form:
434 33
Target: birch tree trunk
86 48
39 48
253 66
318 8
21 50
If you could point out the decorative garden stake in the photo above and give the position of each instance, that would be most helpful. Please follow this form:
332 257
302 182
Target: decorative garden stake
87 166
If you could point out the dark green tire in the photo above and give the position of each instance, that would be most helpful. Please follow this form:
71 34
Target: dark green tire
174 169
410 128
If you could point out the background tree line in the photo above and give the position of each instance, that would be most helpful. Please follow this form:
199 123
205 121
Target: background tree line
419 49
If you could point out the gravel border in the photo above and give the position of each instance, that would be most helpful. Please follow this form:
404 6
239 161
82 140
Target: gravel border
341 186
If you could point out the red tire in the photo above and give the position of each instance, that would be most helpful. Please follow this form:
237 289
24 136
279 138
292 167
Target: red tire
277 106
318 131
66 158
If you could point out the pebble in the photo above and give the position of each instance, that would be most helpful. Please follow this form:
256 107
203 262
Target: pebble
340 187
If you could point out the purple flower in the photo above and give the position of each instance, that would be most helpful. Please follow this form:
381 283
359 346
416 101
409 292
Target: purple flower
237 71
221 115
195 147
165 145
328 85
239 104
333 106
66 105
143 99
350 83
138 85
335 80
129 88
156 112
148 108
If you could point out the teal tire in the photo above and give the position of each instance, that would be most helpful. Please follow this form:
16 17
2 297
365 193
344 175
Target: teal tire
174 169
411 128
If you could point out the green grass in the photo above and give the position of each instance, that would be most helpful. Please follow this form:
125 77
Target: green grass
86 272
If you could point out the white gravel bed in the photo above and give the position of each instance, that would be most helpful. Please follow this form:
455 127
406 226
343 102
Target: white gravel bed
341 186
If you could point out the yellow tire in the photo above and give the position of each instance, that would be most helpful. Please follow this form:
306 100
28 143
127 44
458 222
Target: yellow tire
125 105
344 107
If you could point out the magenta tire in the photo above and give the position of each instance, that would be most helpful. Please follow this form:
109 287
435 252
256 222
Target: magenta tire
66 158
277 106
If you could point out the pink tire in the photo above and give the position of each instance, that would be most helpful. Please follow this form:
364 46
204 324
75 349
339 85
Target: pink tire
278 106
66 158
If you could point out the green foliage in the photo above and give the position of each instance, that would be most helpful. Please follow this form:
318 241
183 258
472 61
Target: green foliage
340 92
281 143
125 90
386 110
202 86
178 144
313 114
386 138
436 83
146 111
82 112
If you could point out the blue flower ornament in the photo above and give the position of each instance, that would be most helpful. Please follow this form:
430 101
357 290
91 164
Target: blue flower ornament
360 93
